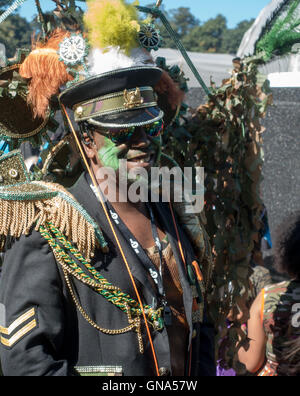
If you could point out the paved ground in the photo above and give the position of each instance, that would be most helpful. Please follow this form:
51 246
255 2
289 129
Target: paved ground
281 186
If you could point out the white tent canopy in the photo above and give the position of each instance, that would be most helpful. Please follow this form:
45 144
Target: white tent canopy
215 66
247 46
282 72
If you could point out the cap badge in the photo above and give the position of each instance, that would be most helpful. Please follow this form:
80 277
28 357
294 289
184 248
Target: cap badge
133 99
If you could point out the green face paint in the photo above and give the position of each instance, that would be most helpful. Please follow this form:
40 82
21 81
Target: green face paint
108 155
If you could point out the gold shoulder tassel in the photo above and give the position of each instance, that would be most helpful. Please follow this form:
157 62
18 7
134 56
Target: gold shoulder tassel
19 216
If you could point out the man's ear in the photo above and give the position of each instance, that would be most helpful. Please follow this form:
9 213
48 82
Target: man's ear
89 147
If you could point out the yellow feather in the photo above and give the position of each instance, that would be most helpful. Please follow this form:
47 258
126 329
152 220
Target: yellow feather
112 23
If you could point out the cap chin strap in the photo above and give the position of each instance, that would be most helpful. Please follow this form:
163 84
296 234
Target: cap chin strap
91 173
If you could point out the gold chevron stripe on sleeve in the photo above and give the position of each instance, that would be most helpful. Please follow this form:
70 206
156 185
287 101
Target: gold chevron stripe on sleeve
27 315
9 342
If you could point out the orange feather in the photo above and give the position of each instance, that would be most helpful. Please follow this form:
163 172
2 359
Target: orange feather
45 72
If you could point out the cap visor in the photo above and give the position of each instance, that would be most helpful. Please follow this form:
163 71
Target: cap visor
129 119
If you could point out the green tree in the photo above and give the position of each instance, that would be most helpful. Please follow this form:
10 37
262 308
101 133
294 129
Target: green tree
208 36
233 37
15 32
183 21
4 4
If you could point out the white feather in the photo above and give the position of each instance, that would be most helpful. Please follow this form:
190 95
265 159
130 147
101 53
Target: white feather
141 56
114 59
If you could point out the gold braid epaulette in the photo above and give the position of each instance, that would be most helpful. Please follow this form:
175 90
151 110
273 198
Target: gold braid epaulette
27 205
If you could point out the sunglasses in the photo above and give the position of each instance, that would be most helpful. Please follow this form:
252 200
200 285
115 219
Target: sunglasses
121 136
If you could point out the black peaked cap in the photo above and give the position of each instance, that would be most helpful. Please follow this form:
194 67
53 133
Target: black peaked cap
111 82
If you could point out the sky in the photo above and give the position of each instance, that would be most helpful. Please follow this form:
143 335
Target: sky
234 10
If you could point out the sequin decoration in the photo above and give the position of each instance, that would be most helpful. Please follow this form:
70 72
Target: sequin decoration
73 51
149 37
25 204
12 169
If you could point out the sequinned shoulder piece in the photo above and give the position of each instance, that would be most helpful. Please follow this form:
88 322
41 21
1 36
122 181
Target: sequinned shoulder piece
26 204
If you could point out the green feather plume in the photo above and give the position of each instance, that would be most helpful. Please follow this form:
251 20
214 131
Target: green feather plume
282 31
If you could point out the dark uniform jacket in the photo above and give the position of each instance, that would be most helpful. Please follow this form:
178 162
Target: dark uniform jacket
43 333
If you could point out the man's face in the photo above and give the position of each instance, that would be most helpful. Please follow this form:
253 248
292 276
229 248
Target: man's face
120 162
140 150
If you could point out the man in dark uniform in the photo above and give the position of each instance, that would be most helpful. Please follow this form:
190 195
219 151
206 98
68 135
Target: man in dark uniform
51 326
137 307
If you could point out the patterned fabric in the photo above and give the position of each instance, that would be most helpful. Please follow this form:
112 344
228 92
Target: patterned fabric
172 282
260 278
270 370
280 320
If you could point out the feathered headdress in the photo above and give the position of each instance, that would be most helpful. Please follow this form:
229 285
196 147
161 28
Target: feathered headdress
46 72
112 28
